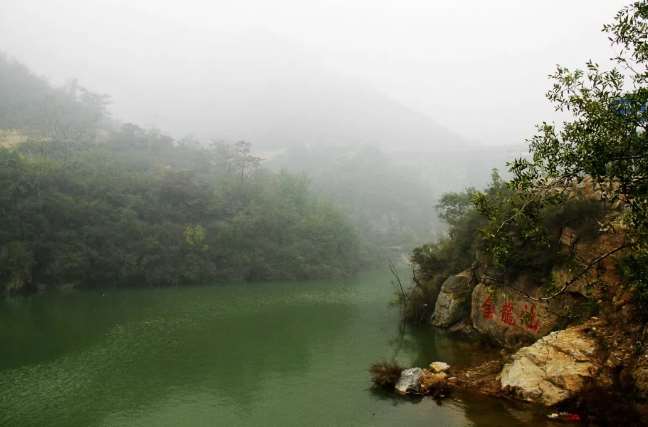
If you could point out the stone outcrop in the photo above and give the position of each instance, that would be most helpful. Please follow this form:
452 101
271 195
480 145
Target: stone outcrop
511 319
596 283
438 367
453 303
409 381
555 368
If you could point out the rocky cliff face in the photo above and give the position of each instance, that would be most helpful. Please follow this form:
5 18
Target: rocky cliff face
587 342
512 312
510 318
453 303
502 313
570 325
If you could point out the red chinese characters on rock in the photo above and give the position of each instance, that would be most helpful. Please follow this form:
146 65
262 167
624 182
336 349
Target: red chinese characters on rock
530 318
506 313
488 308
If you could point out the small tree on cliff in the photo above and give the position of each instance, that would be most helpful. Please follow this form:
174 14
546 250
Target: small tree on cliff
605 139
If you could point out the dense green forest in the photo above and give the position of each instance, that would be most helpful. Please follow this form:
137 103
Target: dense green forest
85 201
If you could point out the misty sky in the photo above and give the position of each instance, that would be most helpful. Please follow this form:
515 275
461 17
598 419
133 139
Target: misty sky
476 67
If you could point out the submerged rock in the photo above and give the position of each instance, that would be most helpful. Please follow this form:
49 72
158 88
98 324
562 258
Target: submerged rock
409 381
453 302
555 368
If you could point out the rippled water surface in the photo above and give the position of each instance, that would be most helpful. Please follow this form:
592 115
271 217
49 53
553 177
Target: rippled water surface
272 354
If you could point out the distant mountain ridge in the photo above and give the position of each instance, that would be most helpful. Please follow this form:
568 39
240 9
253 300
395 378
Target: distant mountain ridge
272 94
256 87
313 110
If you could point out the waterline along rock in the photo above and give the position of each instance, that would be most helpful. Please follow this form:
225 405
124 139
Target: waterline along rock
453 302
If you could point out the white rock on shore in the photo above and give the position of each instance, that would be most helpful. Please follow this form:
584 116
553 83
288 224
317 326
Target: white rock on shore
409 381
553 369
439 367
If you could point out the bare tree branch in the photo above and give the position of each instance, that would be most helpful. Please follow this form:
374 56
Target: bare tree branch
393 270
573 280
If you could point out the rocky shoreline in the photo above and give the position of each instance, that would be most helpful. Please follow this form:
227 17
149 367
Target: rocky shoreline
555 353
568 372
573 373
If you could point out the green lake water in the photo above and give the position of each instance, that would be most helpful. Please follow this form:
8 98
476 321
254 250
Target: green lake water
267 354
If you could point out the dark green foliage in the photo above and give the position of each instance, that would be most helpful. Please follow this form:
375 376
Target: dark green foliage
509 231
453 207
116 214
456 252
523 228
421 298
385 374
15 267
634 270
435 262
513 238
85 202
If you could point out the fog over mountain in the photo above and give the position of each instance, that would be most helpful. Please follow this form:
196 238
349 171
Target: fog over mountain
421 74
269 92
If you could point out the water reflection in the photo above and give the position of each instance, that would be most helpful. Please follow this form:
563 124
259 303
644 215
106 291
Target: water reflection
419 346
429 344
258 354
145 351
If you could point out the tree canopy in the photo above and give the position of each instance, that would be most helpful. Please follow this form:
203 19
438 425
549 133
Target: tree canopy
87 202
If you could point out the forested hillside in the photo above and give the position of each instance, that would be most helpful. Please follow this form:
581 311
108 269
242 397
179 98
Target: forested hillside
88 202
391 196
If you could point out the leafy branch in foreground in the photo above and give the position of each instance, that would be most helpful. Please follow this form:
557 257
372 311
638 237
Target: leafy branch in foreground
605 140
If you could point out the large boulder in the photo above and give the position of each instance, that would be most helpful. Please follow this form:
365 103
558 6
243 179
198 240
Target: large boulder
510 318
555 368
453 302
409 381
